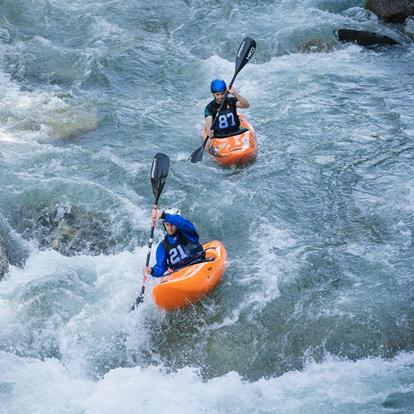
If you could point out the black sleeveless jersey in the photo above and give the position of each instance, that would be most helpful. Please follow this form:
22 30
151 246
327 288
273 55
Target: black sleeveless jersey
228 120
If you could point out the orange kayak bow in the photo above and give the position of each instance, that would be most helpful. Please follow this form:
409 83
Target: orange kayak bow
236 149
188 285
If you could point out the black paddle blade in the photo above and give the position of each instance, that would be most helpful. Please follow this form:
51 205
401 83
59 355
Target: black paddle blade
245 52
197 155
159 172
138 301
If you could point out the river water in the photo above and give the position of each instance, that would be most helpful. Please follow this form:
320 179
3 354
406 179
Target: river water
315 312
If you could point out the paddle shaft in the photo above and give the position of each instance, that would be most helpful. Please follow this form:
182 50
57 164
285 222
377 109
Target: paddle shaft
150 242
158 181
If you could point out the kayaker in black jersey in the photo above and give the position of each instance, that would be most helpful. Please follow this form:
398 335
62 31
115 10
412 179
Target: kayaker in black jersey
180 247
228 121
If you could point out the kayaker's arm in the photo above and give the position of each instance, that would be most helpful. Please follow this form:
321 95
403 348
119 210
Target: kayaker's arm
161 266
207 125
241 101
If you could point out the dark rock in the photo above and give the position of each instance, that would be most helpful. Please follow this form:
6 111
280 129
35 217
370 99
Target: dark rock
69 229
395 11
4 263
364 38
13 250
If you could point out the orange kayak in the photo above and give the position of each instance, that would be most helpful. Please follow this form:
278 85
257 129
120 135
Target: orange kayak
236 149
190 284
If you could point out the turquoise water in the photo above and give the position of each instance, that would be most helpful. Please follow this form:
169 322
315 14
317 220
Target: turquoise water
315 312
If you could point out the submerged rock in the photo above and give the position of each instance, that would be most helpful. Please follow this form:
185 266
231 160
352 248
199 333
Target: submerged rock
315 46
395 11
56 117
4 263
70 230
364 38
67 122
13 251
409 28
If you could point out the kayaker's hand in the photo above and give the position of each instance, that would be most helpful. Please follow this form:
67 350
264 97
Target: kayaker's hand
241 101
155 215
147 270
210 133
233 91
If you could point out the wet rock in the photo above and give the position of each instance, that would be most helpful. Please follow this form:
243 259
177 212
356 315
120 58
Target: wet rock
67 122
12 250
5 35
70 230
4 263
51 116
364 38
395 11
409 28
315 46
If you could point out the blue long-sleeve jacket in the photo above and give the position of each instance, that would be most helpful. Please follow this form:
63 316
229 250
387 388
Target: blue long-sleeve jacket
186 228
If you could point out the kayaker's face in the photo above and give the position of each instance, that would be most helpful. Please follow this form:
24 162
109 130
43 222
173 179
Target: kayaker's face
218 97
170 229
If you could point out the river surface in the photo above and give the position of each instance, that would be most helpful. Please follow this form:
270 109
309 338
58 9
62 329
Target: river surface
315 313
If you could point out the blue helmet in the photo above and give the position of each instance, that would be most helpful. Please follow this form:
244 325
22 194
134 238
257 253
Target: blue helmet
172 210
217 86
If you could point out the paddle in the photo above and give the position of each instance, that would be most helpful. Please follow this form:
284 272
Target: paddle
245 52
159 171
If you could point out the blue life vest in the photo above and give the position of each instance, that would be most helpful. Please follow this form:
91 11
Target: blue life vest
182 251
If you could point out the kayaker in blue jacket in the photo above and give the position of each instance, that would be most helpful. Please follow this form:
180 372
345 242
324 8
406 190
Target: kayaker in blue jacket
180 246
228 121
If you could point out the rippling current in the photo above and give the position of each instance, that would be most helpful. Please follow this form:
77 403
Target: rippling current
315 313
